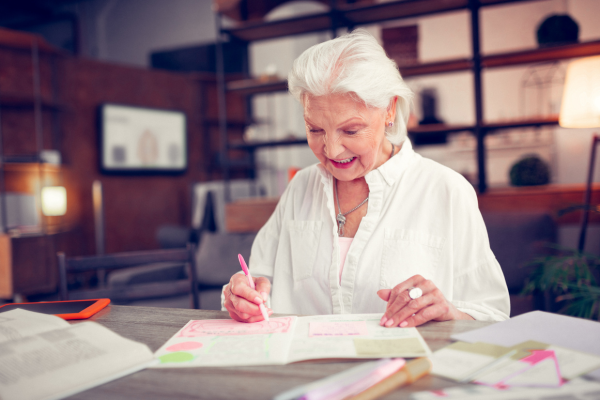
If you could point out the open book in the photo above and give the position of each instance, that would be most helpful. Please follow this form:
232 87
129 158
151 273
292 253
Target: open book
224 342
44 357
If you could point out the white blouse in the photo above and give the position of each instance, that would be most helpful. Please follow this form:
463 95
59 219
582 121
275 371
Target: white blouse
422 219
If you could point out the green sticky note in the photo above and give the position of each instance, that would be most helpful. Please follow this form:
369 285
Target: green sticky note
180 356
405 347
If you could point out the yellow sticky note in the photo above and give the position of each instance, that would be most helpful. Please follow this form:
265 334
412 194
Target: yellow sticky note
405 347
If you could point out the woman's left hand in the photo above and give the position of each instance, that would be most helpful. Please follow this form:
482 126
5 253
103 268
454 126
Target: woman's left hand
405 312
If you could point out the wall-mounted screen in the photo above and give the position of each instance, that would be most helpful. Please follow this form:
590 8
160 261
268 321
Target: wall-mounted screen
135 139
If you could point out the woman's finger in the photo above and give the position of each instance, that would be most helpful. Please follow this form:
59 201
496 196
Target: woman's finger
411 308
425 315
384 294
394 306
400 290
249 319
400 298
263 286
239 287
244 306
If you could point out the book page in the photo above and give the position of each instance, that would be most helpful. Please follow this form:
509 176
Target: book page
225 342
61 362
15 324
353 336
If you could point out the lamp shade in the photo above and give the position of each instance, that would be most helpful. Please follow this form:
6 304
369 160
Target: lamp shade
581 97
54 200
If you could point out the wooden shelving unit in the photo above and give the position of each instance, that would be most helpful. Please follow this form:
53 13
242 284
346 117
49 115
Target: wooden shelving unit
351 16
255 86
25 172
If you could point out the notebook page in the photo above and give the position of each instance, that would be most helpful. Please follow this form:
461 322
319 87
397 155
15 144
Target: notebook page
225 342
317 337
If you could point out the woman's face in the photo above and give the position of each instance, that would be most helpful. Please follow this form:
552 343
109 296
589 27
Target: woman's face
346 135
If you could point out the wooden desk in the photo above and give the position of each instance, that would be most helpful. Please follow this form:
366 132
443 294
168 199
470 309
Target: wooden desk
154 326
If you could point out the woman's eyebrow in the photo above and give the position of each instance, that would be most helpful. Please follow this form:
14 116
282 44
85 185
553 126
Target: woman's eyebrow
341 123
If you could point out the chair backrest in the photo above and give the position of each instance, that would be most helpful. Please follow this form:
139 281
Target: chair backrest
132 259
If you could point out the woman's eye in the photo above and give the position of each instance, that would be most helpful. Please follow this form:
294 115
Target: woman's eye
315 130
350 132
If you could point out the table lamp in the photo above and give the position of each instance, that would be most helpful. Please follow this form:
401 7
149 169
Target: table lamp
54 200
580 108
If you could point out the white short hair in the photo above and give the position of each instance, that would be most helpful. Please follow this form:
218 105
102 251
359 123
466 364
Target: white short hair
355 64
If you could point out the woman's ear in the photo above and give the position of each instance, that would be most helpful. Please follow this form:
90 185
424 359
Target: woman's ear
391 110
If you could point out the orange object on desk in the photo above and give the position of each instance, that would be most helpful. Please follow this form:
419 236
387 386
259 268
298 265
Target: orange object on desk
66 309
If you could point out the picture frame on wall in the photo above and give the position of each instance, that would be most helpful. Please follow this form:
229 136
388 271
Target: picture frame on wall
142 140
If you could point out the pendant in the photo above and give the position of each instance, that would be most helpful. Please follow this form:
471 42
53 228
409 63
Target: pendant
341 221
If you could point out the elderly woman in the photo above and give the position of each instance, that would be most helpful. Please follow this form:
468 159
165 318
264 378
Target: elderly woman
357 232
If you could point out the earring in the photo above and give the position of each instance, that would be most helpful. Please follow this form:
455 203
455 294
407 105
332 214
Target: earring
390 124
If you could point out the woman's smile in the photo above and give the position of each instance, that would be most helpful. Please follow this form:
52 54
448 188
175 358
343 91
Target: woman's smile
345 163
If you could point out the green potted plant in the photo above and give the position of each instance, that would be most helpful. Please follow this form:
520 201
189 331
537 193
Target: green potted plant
569 279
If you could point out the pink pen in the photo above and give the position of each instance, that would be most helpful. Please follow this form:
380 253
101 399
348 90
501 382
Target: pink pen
263 310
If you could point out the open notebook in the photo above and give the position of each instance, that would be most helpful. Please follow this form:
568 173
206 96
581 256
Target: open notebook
44 357
224 342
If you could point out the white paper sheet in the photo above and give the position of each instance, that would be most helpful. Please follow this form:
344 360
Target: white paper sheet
571 333
15 324
578 389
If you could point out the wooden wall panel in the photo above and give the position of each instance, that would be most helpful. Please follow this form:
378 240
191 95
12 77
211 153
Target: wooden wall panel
135 206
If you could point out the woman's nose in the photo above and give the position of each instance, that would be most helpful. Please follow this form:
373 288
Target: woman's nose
333 145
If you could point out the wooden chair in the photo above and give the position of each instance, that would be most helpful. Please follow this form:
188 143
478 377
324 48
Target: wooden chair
132 259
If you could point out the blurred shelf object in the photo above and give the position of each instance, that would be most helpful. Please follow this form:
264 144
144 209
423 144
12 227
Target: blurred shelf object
28 166
250 215
436 68
13 101
541 55
275 143
251 31
549 198
522 123
256 86
16 40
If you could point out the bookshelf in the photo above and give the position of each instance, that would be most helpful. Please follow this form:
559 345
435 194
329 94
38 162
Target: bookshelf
351 16
29 123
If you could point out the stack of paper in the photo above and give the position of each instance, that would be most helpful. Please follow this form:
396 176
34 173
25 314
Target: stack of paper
286 340
577 389
511 353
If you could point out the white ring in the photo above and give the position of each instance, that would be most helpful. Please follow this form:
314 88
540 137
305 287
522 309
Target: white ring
414 293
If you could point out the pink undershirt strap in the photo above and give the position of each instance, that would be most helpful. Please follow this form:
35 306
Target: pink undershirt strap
344 247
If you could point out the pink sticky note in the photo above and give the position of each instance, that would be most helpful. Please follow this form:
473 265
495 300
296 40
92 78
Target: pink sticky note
228 327
343 328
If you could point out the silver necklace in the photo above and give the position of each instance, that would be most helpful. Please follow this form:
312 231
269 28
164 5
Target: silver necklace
341 217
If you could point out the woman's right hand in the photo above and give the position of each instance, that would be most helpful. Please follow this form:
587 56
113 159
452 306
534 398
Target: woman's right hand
242 301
